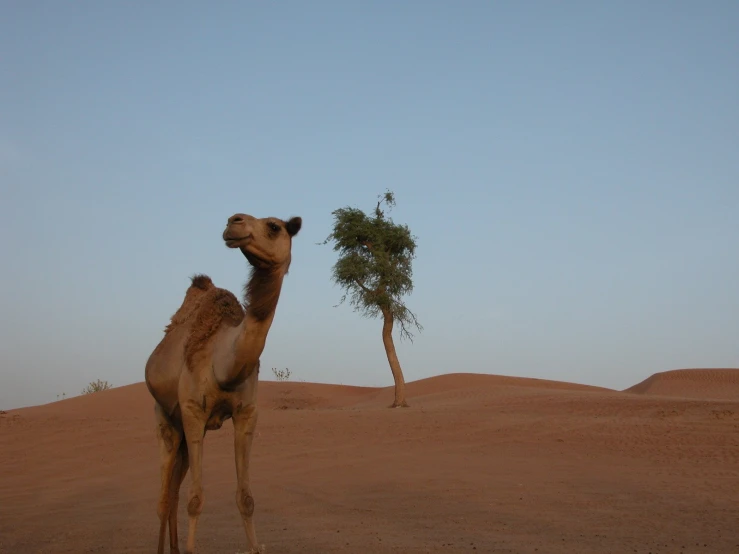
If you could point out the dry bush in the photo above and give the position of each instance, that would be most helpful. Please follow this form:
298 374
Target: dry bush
281 374
96 386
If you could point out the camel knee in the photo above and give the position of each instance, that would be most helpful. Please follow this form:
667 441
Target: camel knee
169 437
163 508
245 502
195 505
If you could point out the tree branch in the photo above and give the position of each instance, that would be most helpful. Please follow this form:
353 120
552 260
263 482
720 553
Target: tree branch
362 286
378 212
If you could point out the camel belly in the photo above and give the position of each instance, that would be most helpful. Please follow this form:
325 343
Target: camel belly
164 367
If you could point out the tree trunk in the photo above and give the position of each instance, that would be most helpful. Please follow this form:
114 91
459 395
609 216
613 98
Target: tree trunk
392 358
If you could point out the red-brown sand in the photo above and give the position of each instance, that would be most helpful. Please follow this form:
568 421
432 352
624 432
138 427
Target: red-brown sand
478 463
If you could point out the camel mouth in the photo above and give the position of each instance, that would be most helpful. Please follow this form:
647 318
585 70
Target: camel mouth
234 242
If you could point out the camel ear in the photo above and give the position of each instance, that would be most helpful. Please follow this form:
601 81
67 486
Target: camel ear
294 225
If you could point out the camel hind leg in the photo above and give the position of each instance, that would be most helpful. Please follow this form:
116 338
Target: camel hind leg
182 464
170 439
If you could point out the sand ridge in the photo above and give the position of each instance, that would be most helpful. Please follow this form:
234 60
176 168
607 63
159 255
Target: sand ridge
286 395
708 384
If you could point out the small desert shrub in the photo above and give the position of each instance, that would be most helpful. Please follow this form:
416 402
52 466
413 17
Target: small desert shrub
97 386
281 374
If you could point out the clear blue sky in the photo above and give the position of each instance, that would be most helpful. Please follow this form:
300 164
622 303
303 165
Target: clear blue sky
571 172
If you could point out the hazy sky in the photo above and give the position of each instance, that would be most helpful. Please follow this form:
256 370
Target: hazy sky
571 171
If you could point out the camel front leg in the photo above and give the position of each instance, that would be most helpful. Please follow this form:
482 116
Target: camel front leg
245 421
169 439
194 434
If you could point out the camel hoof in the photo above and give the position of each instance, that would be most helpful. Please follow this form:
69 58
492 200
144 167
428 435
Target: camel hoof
261 550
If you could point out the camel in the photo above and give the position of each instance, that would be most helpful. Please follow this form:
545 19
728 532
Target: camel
205 371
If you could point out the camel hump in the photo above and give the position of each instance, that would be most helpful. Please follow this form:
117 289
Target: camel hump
200 286
202 282
216 307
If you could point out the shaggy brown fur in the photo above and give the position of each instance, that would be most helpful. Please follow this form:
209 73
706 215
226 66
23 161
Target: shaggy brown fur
208 306
193 297
215 306
202 282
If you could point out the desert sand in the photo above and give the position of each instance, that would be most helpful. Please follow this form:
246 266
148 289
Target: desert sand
479 463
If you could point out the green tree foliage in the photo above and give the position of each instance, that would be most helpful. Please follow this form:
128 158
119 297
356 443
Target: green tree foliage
375 270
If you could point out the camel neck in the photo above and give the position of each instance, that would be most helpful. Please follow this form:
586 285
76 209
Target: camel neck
261 294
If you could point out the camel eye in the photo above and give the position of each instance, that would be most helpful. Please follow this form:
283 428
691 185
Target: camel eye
273 226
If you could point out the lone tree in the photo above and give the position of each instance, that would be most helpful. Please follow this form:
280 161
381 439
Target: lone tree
374 269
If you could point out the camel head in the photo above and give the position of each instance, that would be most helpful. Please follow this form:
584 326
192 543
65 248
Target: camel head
265 242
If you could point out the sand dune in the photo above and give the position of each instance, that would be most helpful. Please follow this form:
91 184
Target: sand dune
479 463
708 384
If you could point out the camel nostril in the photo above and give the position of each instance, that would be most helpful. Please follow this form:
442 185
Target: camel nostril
235 219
